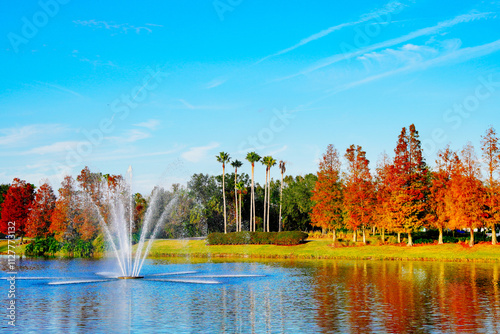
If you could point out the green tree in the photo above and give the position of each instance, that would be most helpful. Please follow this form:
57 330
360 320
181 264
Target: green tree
224 158
282 167
297 204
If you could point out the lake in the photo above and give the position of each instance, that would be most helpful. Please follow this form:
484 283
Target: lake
214 296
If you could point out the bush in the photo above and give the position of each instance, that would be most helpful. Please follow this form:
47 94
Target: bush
43 246
257 238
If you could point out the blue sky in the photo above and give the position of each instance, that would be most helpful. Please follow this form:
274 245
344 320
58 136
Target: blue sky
166 85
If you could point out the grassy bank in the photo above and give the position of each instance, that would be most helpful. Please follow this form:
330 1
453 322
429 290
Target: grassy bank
318 249
321 249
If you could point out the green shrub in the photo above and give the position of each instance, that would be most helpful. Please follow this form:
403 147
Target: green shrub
43 246
257 238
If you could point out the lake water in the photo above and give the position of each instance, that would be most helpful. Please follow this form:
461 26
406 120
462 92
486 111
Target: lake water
285 297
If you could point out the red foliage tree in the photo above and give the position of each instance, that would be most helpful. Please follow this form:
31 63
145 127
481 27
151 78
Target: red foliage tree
465 201
327 194
491 156
410 183
16 207
42 207
358 192
383 212
66 218
440 182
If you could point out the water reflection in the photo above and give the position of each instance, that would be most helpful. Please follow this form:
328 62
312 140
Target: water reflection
293 297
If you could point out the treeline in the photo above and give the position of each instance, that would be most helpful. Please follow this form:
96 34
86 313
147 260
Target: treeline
404 194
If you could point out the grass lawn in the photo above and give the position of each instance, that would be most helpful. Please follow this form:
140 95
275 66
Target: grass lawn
321 249
318 249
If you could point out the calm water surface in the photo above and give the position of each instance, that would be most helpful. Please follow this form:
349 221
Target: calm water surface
292 297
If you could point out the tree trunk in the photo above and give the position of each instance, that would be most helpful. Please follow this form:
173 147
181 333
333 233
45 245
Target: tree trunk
383 234
281 201
236 201
224 197
252 203
265 205
410 241
440 241
355 236
241 223
364 236
471 241
493 234
373 230
399 237
334 235
268 200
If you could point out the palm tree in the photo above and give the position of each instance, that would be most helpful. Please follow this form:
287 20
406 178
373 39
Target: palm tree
240 186
223 157
265 162
283 170
270 163
252 157
236 164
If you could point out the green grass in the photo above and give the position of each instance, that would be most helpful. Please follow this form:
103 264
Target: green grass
18 249
321 249
317 249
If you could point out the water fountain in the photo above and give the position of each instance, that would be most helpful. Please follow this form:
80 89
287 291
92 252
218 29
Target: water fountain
119 226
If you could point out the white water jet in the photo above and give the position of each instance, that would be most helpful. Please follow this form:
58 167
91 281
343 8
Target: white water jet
115 212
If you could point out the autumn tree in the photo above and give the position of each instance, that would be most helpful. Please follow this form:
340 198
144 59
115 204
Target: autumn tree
437 216
383 212
358 191
410 183
16 207
466 198
328 193
491 157
66 218
40 215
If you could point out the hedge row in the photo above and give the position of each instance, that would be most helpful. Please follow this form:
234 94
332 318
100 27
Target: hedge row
257 238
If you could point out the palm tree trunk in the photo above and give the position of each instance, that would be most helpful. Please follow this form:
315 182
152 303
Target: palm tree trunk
236 201
240 214
268 199
252 204
224 196
265 205
281 201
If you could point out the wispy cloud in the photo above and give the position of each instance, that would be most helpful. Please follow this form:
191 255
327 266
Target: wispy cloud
58 147
470 17
20 135
389 8
197 154
60 88
457 56
130 136
151 124
120 27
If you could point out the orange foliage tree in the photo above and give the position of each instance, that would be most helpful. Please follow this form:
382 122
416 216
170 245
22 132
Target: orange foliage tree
42 207
66 218
466 197
358 192
437 216
327 194
409 184
16 206
491 156
383 210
